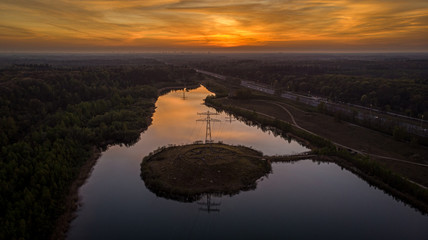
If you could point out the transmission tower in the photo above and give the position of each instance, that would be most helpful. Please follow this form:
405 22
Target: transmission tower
184 89
184 93
230 119
209 205
208 119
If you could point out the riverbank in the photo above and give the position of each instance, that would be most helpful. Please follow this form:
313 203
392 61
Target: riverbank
370 170
165 90
53 116
73 200
381 147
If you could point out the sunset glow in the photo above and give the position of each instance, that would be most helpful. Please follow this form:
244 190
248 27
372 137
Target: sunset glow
306 25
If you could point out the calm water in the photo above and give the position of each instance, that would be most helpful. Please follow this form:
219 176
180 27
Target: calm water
301 200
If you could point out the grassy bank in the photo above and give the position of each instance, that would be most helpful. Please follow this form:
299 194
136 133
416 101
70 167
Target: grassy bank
361 165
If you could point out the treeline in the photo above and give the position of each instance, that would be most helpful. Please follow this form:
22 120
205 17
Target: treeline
51 120
391 84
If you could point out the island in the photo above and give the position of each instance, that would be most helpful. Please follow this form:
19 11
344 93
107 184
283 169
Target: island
186 173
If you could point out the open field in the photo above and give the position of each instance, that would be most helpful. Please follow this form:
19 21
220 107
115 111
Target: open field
350 135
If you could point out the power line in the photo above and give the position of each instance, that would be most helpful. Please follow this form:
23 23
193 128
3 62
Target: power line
208 119
230 118
209 205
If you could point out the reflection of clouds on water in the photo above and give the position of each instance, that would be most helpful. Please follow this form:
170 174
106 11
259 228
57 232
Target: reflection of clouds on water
175 122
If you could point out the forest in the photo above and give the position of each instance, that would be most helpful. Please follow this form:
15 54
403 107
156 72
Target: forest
388 82
53 117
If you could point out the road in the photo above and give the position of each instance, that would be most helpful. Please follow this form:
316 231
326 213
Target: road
412 125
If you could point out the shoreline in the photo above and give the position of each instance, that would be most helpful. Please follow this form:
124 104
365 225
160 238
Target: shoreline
352 163
73 199
165 90
372 180
175 172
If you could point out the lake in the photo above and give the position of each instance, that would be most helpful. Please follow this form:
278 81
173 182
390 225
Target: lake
299 200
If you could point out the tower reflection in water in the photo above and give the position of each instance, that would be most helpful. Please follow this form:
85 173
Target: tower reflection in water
209 205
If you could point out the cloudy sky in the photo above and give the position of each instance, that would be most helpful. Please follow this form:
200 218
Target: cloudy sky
235 25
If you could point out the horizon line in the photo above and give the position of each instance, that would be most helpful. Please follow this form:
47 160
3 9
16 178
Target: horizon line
211 52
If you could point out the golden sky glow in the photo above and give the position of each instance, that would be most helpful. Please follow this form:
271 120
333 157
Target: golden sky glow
301 25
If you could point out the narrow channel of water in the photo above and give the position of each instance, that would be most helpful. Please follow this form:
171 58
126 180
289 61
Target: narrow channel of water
301 200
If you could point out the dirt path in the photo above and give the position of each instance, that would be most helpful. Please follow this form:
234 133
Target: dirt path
397 156
343 146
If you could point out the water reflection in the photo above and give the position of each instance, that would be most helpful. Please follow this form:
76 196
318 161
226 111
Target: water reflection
301 200
175 121
209 205
189 172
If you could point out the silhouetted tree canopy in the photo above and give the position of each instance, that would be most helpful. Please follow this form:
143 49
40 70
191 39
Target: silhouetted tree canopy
52 118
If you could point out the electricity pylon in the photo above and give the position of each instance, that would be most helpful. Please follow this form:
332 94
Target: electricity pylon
184 94
230 119
184 90
208 119
209 205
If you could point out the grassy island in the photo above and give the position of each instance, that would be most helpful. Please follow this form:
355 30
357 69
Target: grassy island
187 172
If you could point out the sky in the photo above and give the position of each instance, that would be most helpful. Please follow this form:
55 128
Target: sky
214 25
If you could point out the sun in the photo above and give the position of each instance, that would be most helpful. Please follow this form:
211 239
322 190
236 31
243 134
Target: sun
226 32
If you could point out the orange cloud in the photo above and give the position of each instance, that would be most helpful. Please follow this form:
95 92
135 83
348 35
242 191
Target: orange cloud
269 24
